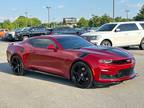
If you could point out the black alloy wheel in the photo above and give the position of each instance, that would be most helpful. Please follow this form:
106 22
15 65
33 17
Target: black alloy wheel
142 44
106 43
17 65
81 75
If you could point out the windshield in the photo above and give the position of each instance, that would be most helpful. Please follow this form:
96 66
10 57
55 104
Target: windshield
107 27
73 42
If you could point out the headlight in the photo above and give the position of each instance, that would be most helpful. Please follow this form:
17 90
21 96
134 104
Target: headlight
95 37
106 61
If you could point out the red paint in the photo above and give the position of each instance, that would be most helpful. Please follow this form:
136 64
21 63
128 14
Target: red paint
59 61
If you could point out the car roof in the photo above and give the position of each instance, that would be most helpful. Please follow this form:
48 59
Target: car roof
62 35
55 36
126 22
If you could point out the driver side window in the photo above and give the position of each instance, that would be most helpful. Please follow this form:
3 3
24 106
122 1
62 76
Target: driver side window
41 43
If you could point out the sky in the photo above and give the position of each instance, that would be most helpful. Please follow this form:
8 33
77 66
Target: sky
11 9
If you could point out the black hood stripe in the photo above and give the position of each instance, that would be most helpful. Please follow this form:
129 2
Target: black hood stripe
118 52
83 54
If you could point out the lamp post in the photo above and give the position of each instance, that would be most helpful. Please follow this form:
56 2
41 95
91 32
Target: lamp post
48 10
31 23
26 16
113 9
92 20
127 13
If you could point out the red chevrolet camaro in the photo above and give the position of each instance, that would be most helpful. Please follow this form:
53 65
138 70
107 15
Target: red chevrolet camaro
73 58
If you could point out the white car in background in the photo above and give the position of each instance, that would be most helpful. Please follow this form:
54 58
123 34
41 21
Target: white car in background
119 34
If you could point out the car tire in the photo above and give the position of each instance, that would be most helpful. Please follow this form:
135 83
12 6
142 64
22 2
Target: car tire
25 37
106 43
141 46
17 65
81 75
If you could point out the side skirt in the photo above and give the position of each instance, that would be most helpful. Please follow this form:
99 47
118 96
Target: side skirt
45 73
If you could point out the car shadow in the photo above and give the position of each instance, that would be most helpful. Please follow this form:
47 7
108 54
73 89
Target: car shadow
5 68
131 48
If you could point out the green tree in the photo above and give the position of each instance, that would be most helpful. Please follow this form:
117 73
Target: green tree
140 15
105 19
7 25
97 21
83 22
20 22
23 21
34 22
1 25
120 19
94 21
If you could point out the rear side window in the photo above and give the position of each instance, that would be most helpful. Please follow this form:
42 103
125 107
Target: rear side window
127 27
142 25
41 43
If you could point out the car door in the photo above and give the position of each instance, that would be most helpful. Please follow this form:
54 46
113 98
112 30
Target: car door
44 59
126 34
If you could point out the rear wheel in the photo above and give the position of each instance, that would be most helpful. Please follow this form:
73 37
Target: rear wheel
81 75
106 43
17 65
142 44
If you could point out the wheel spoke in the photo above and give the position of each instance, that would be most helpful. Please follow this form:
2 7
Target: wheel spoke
14 63
81 74
79 79
17 66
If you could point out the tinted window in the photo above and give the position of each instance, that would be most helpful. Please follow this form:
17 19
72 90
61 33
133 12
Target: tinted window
25 29
73 42
41 43
65 30
142 24
107 27
127 27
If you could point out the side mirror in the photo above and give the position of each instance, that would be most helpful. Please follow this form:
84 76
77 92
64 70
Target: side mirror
52 47
117 30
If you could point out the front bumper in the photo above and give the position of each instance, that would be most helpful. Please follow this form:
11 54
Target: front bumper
96 42
114 73
9 37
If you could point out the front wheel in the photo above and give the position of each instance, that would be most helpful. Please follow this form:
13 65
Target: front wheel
142 44
81 75
25 37
106 43
17 65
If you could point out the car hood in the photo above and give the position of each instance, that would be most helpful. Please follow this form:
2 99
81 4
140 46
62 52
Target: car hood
107 52
11 32
95 33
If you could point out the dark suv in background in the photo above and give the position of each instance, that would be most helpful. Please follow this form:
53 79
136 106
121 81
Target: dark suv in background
66 30
31 32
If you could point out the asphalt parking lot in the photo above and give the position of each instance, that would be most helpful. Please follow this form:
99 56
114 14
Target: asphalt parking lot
43 91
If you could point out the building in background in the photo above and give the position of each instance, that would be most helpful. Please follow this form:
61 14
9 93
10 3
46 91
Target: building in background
71 21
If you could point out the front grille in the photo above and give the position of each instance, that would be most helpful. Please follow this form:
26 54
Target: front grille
121 73
125 72
125 61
